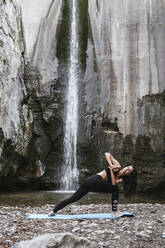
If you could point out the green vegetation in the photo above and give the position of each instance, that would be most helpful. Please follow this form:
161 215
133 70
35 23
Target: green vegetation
6 61
83 31
63 34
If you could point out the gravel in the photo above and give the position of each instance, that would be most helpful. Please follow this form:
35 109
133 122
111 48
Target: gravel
145 229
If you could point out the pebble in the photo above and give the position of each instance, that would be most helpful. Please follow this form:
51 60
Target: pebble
163 234
143 230
142 234
75 229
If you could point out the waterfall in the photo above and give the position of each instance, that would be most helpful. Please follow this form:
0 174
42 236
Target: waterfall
69 175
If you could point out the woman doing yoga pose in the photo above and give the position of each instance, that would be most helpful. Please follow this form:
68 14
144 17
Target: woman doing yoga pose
106 181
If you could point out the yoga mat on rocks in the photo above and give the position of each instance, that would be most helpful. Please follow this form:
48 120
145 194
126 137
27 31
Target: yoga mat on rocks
79 216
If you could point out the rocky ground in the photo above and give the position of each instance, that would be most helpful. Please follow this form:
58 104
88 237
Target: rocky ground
145 230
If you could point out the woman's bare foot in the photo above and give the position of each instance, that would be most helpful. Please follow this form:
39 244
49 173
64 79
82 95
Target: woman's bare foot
116 214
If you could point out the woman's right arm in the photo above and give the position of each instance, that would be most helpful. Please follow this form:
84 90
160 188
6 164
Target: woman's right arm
108 158
112 162
113 179
115 195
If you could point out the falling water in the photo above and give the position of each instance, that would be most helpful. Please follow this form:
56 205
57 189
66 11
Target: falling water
70 173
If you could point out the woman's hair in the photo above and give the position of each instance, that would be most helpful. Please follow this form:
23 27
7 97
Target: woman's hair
130 183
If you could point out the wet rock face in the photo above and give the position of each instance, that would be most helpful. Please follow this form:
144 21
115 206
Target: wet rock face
45 78
47 128
122 92
149 148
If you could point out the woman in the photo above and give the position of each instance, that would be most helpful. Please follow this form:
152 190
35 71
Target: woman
105 181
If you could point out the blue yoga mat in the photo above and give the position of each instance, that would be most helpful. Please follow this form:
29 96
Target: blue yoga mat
79 216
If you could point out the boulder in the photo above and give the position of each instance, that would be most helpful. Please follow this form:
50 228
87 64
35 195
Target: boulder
55 240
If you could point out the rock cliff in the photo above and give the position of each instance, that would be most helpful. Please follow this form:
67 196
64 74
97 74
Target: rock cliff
121 88
15 116
122 97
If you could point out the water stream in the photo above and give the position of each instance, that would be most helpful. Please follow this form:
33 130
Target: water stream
41 198
69 177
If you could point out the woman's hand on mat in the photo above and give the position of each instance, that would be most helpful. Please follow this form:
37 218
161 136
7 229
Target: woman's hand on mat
116 213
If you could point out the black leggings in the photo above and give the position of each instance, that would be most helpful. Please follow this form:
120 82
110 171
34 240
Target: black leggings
92 184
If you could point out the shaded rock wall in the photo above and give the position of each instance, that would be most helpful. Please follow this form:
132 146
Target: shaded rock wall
44 88
122 103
